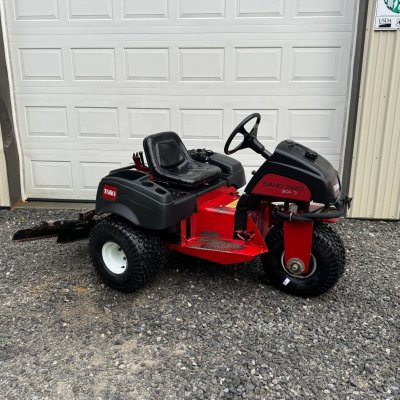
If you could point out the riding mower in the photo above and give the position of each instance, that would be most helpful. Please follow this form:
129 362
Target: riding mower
188 202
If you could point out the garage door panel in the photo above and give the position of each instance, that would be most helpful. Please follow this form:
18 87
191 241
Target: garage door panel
146 64
91 173
119 121
93 64
202 9
259 8
182 12
144 9
51 174
268 128
316 128
311 124
201 124
42 123
90 9
146 121
97 122
46 121
40 64
316 8
49 177
315 63
305 66
257 64
201 64
65 174
27 10
94 77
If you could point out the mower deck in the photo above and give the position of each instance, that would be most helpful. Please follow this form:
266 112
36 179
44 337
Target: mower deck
223 251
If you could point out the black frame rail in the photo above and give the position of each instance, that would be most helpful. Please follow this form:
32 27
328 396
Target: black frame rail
65 230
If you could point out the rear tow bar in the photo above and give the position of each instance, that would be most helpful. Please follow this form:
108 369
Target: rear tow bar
65 230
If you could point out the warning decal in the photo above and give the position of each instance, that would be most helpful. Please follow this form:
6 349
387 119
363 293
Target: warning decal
233 204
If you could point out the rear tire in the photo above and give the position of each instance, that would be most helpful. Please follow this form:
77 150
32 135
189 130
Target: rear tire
326 263
125 258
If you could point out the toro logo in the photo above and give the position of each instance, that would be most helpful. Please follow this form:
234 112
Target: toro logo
109 192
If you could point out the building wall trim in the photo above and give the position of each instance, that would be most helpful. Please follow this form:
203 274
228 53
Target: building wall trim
9 147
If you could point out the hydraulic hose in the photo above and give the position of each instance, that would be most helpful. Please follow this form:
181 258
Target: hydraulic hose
339 210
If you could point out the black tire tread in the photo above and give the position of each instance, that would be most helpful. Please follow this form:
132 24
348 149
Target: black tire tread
327 240
147 249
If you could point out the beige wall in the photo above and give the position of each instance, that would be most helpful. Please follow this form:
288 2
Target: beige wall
375 175
4 196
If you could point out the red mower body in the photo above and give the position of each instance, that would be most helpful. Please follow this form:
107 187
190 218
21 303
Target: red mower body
190 202
208 233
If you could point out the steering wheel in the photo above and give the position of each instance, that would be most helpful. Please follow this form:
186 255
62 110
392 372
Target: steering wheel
248 137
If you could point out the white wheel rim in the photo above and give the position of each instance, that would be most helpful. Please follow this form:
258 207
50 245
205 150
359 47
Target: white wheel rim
114 258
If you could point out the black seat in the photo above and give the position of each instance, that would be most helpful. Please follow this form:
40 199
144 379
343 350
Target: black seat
169 160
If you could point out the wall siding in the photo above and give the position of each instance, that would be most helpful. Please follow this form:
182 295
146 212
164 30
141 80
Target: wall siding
375 176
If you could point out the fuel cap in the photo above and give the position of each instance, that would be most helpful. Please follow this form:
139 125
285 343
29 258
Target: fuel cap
311 155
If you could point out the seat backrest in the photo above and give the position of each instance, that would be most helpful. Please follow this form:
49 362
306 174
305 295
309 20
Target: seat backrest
169 161
165 150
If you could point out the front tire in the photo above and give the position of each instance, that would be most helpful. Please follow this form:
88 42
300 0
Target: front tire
327 262
125 258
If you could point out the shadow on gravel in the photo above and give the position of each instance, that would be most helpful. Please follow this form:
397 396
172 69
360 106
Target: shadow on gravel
192 267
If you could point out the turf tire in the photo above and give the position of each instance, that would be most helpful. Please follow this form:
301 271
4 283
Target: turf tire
144 252
328 252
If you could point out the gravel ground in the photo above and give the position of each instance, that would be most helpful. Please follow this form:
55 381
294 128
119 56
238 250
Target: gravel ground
200 331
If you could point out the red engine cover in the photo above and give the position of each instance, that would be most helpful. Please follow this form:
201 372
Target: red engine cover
279 186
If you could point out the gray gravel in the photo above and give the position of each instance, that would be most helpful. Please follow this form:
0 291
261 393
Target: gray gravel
200 331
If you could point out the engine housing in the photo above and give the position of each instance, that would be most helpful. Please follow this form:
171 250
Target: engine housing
292 172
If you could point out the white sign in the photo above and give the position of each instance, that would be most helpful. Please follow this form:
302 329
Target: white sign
387 15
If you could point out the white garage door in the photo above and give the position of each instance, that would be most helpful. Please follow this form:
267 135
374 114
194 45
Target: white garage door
92 78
